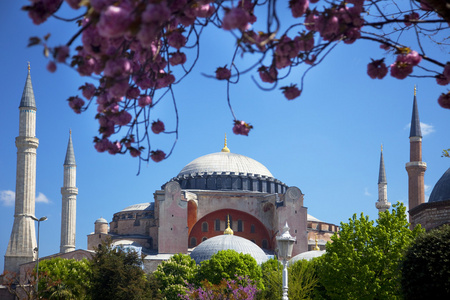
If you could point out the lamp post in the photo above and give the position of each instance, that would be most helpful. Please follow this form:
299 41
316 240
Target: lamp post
37 250
285 244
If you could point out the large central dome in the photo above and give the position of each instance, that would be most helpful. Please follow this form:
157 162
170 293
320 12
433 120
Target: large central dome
225 171
227 162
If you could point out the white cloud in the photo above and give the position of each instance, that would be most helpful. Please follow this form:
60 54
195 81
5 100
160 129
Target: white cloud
41 198
366 192
427 187
7 197
425 128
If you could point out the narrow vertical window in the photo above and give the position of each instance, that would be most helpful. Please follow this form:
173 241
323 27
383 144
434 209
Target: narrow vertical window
239 226
252 228
217 225
265 245
205 226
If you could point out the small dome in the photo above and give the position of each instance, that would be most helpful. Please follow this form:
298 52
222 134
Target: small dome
141 206
441 191
100 220
309 255
225 162
211 246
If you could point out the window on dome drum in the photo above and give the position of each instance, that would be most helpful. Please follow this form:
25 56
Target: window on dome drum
265 244
205 226
252 228
239 226
217 225
193 242
204 238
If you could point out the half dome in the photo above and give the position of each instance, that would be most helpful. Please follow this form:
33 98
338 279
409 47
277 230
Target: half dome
225 162
211 246
441 191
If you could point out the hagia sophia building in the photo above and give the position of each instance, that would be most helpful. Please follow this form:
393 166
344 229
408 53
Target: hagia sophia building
215 193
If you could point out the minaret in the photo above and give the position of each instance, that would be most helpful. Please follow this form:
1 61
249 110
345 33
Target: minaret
23 236
415 167
382 204
69 193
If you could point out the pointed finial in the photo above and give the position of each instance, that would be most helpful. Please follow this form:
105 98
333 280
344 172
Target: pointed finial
70 131
225 148
228 231
415 90
317 248
28 66
381 147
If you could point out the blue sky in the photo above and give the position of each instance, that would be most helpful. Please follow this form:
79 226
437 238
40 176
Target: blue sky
327 142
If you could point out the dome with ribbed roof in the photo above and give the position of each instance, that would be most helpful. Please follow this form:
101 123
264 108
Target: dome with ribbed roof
308 255
441 191
228 171
225 162
211 246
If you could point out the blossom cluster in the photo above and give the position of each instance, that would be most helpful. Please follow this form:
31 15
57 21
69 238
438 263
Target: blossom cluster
132 48
241 288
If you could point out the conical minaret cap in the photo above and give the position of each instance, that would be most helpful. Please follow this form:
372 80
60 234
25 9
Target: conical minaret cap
70 155
28 94
415 122
382 174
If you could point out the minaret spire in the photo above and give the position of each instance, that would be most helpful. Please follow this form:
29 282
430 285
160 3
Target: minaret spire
415 167
69 193
382 204
23 236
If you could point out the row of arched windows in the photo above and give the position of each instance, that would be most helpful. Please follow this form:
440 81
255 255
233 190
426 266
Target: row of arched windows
193 242
240 226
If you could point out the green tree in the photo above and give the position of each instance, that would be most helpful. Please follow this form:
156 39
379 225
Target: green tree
228 264
302 277
426 266
117 274
173 274
64 278
363 260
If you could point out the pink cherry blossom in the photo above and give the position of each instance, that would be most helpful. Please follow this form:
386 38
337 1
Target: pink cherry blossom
442 80
122 118
76 104
242 128
291 92
158 127
144 100
401 70
114 148
411 17
223 73
51 66
133 93
310 20
134 152
298 7
88 90
176 40
62 53
377 69
114 21
41 10
177 58
101 145
156 13
117 67
446 71
268 75
157 155
236 18
305 42
75 4
444 100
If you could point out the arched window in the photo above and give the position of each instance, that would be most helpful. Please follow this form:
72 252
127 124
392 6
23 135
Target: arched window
193 242
265 244
204 238
217 225
205 226
252 228
240 226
